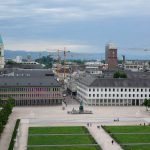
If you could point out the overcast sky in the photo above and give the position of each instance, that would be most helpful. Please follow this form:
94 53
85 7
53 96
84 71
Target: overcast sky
79 25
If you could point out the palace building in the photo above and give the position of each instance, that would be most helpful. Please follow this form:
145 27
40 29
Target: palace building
113 92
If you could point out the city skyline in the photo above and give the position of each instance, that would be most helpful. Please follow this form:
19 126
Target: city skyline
81 26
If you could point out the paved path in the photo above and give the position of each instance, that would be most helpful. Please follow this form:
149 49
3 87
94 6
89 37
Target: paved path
103 139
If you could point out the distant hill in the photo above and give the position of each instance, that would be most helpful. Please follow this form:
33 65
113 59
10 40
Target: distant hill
34 55
82 56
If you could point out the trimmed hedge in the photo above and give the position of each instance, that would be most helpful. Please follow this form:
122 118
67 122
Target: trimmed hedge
5 112
12 142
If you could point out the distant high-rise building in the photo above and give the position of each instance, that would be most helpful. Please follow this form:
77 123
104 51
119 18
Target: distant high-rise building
111 56
1 53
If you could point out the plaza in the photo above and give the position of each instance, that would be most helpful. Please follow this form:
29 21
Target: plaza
56 116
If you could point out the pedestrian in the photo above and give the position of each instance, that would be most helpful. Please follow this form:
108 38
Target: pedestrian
112 142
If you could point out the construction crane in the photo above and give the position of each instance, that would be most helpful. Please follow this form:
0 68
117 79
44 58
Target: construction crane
65 51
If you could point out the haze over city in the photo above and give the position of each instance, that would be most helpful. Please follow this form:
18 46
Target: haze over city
81 25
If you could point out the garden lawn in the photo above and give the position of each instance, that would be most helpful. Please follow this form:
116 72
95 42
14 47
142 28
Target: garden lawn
130 138
127 129
65 148
58 130
60 139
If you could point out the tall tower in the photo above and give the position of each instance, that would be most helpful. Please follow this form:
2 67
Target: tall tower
1 53
111 56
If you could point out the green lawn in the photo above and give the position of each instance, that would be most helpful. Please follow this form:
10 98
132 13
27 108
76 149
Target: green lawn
127 129
61 139
57 130
66 148
137 147
130 138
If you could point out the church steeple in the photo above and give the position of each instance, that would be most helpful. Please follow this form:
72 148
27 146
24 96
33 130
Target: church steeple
2 61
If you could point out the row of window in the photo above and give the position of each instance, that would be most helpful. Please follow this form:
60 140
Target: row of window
119 90
28 89
119 95
29 95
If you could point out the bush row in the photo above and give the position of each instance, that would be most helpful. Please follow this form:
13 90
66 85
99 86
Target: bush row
12 142
5 112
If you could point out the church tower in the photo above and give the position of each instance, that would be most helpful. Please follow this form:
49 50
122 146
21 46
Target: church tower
2 63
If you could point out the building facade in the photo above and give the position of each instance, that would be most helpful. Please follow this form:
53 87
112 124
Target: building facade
31 88
113 92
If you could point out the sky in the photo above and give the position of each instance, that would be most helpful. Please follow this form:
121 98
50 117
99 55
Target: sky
78 25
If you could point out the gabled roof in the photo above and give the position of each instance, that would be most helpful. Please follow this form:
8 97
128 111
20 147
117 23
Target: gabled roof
111 82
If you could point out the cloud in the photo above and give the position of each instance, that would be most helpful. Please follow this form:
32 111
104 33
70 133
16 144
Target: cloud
51 45
38 24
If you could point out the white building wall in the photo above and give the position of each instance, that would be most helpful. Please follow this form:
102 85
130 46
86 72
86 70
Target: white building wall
106 96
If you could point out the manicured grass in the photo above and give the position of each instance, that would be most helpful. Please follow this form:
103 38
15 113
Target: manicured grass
57 130
126 129
84 138
59 140
65 148
130 138
137 147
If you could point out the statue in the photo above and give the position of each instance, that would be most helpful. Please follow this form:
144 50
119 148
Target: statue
81 109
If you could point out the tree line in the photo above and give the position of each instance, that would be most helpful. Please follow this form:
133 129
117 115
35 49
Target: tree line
6 110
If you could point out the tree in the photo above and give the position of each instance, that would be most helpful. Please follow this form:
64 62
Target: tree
146 103
119 74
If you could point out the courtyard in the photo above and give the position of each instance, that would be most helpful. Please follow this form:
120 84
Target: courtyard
56 116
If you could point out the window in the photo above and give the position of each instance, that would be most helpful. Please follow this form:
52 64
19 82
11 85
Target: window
93 95
93 90
137 90
89 89
109 90
89 95
113 90
97 90
121 90
141 90
133 90
105 90
97 95
129 90
125 90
